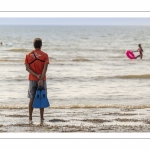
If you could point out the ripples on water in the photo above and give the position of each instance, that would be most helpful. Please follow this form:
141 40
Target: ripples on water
88 66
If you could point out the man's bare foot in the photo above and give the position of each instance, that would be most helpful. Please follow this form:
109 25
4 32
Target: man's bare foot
30 122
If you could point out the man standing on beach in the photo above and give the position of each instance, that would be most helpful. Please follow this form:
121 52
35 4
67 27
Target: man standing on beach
36 63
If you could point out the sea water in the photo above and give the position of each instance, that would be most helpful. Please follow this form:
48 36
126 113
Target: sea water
88 66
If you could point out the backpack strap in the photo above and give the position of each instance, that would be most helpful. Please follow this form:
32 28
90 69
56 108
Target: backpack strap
35 59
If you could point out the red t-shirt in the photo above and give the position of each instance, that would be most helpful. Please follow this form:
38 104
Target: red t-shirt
37 65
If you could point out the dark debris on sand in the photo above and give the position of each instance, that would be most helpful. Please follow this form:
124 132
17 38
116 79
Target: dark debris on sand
96 120
57 120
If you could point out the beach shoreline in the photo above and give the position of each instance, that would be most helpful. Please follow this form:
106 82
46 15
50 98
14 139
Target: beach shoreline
96 120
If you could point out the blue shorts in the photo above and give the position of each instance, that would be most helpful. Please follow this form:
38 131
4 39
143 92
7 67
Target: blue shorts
33 85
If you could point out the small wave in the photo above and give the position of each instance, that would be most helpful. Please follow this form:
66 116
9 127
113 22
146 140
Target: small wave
103 106
10 60
121 106
80 78
144 76
51 58
13 106
80 59
119 56
5 59
85 38
19 50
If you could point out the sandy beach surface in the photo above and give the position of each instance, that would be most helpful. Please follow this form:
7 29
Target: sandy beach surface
99 120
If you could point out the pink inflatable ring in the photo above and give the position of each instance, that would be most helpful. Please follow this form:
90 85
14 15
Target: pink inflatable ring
130 54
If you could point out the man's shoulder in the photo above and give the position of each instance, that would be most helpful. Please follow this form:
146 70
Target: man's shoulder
44 52
39 52
29 53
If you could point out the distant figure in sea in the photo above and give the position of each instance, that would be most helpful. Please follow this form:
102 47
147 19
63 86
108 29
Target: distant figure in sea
36 63
140 50
1 43
9 44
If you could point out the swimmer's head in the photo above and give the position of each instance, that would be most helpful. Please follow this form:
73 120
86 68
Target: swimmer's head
139 45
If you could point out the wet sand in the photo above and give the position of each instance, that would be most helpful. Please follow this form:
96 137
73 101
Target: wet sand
101 120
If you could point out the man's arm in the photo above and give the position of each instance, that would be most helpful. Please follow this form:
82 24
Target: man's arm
32 72
40 82
44 71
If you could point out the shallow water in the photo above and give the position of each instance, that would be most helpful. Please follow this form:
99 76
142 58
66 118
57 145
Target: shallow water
88 66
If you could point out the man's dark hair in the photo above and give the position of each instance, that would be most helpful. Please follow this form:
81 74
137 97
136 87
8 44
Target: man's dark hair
37 43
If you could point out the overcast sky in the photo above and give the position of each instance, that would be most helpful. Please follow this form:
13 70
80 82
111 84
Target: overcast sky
74 21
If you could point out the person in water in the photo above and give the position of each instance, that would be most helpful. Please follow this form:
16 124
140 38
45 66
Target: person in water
140 50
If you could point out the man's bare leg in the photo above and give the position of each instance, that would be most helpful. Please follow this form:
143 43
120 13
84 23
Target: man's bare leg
30 110
41 115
